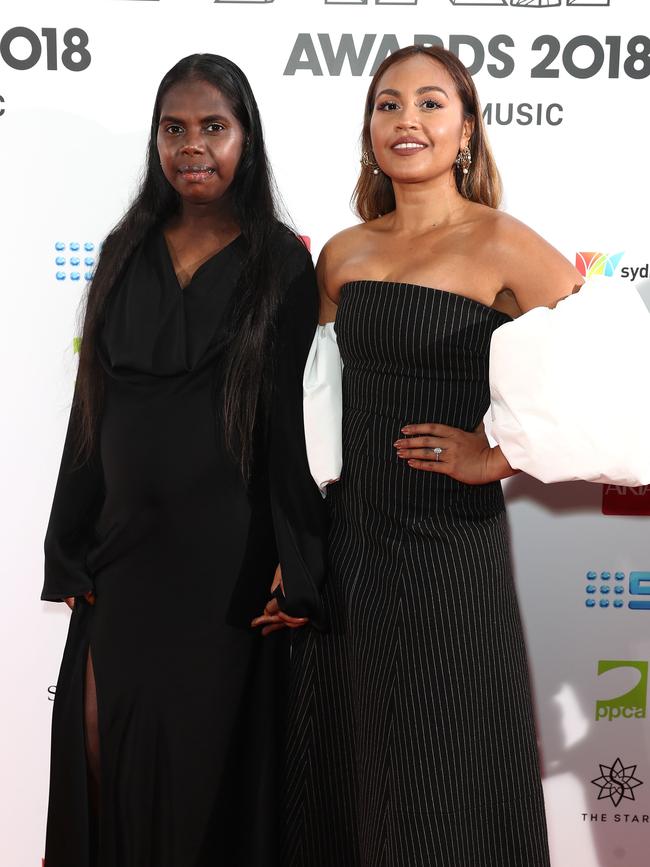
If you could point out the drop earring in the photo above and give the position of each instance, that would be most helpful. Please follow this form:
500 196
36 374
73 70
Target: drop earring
464 160
368 162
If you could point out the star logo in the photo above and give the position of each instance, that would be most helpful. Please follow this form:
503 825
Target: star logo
617 782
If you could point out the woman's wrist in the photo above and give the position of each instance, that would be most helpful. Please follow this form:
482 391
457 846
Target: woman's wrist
498 466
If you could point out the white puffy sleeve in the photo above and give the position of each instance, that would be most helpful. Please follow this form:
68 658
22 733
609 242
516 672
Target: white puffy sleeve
322 407
570 389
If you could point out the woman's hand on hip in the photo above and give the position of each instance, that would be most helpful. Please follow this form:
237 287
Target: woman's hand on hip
464 455
273 618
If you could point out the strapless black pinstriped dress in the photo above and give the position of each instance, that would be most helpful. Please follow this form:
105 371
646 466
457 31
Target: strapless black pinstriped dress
411 739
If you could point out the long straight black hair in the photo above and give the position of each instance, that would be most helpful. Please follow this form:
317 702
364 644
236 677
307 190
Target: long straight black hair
247 386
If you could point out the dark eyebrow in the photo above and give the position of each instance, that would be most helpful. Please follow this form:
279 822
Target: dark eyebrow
390 92
429 87
166 118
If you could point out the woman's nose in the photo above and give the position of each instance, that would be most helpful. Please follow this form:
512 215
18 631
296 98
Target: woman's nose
407 120
192 145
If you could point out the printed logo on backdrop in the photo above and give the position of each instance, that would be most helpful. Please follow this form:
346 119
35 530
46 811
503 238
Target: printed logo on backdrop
631 704
618 591
22 49
591 264
606 264
581 57
547 56
617 784
74 260
620 500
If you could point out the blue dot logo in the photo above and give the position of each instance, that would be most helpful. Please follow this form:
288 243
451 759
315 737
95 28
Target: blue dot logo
601 583
76 262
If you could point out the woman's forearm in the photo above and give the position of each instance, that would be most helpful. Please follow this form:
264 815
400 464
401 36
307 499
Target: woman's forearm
499 468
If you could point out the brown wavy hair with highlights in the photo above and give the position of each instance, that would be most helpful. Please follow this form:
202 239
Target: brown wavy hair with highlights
373 194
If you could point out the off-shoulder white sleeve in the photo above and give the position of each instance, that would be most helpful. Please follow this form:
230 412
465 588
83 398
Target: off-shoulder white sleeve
322 407
570 387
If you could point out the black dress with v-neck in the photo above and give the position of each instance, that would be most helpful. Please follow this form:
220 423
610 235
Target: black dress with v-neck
180 553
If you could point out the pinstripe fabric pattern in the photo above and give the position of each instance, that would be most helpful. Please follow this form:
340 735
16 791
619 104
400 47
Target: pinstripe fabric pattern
411 736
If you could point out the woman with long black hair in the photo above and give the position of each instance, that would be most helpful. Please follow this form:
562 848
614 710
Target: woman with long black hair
184 483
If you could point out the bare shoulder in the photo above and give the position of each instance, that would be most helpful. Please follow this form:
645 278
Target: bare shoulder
511 233
340 244
334 258
531 268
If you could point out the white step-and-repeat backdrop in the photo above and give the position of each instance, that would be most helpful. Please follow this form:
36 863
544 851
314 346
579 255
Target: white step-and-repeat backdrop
565 86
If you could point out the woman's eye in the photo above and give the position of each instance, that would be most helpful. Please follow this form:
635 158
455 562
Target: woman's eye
174 129
430 103
215 127
387 106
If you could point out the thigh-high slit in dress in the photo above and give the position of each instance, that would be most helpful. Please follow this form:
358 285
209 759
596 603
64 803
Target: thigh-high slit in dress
185 712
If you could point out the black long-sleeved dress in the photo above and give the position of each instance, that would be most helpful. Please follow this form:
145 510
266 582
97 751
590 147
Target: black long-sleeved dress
180 554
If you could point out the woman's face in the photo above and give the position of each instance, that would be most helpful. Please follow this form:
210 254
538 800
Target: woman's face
417 125
200 141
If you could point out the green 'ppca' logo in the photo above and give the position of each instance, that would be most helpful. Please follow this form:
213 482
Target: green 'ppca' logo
630 705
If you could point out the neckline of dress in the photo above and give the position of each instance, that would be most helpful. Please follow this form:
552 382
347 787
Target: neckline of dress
429 289
170 261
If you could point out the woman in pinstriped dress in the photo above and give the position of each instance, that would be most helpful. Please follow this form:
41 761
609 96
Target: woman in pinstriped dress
411 737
